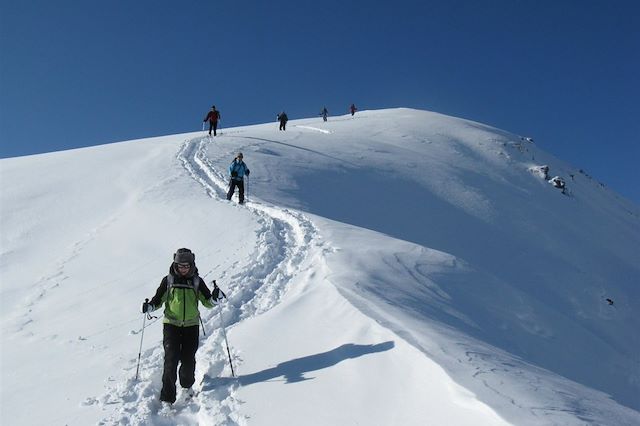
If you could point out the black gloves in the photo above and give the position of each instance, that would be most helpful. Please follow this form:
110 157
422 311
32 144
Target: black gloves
217 294
147 307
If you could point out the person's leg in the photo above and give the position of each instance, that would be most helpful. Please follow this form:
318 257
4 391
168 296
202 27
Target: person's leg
210 127
215 127
188 355
232 188
241 191
171 343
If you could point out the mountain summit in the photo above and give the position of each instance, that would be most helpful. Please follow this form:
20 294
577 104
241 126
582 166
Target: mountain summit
394 267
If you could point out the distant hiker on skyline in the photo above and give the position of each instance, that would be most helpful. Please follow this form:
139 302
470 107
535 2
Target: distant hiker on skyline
237 170
282 118
213 116
324 113
180 292
353 109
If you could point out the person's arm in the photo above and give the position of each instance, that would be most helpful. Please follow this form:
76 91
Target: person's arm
160 296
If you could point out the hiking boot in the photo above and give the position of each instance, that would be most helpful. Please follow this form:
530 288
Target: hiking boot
166 409
187 394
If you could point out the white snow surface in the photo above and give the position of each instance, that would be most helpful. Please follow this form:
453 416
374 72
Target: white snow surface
398 267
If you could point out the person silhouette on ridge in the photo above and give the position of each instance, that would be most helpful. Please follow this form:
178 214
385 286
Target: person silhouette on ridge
213 116
282 118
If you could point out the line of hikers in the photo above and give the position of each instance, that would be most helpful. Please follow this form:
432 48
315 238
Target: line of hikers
213 116
182 290
238 169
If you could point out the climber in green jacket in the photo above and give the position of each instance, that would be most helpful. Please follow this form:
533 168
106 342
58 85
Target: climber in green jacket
180 292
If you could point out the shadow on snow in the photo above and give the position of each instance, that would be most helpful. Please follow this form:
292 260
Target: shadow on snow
294 371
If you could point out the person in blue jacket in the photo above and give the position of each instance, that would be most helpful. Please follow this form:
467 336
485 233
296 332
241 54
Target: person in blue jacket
237 169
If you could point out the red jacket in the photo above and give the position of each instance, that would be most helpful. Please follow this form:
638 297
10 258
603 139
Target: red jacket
213 116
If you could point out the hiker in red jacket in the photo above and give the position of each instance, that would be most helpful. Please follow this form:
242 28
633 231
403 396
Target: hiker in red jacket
213 116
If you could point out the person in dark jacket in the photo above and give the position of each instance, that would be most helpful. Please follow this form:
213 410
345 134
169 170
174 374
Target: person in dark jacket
324 113
353 109
282 118
180 292
237 169
213 116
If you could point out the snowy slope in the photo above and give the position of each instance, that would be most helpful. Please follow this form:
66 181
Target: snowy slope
398 267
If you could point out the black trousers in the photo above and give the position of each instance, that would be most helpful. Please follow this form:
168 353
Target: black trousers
232 189
283 125
213 125
180 346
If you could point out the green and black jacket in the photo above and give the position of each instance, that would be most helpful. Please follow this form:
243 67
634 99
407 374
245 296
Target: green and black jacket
180 296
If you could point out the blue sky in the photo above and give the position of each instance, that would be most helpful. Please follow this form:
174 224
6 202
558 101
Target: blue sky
76 73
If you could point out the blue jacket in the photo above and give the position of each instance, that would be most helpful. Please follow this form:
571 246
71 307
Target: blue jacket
238 169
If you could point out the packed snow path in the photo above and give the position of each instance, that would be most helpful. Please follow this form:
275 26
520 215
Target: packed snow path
283 244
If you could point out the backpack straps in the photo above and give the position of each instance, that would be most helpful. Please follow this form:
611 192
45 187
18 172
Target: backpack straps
195 283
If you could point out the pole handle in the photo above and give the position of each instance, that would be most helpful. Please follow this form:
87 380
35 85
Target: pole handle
215 285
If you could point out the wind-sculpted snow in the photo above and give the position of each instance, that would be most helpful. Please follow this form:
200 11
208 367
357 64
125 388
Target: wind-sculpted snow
445 308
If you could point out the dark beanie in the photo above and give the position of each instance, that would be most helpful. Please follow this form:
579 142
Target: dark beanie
184 255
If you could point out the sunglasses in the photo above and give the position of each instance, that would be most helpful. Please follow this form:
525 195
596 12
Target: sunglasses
183 265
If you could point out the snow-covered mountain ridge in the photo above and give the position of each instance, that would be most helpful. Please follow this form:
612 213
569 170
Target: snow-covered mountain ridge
378 258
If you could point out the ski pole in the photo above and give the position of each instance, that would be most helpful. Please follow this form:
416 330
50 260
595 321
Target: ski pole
201 323
224 333
246 192
144 319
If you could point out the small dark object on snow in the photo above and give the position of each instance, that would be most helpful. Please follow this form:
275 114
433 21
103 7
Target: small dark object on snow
545 171
558 182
